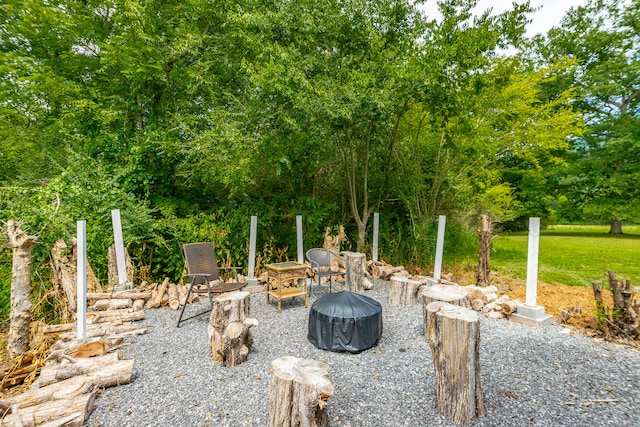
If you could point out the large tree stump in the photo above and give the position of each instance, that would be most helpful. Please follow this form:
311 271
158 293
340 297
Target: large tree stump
357 263
484 252
403 292
299 392
229 328
454 338
452 294
20 315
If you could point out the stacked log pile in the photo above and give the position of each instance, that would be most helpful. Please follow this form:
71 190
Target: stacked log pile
487 301
69 372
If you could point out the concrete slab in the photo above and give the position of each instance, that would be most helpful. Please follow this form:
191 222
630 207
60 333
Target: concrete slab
528 321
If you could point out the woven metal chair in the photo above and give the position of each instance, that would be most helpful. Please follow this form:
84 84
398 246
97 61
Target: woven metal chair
320 260
202 269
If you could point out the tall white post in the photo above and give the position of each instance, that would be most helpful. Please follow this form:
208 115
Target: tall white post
437 269
376 227
299 240
252 247
532 261
119 244
81 232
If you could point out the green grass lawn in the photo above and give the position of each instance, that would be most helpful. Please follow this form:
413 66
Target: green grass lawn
572 254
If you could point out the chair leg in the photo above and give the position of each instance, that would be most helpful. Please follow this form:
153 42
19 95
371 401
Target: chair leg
180 319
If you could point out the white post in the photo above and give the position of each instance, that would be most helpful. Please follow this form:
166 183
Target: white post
119 244
82 279
532 261
437 269
376 226
299 235
252 247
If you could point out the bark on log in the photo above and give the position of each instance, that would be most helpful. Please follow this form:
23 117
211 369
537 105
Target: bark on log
111 331
115 316
299 392
182 295
73 410
403 292
20 315
92 296
509 307
484 252
452 294
112 266
111 304
53 373
358 270
138 305
172 291
454 339
385 272
229 331
157 299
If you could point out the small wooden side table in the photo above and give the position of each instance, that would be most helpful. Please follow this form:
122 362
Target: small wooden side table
279 274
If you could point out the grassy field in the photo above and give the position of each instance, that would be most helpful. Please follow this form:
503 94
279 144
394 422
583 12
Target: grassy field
572 255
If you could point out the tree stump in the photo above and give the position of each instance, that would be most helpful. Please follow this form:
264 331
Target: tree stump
451 294
403 292
484 252
20 315
229 328
299 392
357 263
454 338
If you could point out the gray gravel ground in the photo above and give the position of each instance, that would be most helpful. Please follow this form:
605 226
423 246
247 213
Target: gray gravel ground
530 376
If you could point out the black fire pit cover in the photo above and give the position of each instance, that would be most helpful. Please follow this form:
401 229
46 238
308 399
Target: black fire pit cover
345 321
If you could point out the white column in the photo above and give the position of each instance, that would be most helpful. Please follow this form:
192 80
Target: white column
81 278
299 240
252 247
437 269
376 227
532 261
119 244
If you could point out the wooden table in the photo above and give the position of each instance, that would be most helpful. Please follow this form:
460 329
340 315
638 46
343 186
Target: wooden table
279 274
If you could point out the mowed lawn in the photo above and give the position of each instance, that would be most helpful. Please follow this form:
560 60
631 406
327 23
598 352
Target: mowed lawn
572 255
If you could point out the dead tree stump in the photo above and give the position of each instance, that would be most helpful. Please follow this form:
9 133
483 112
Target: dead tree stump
452 294
484 252
454 338
624 319
403 292
229 328
357 263
299 392
20 315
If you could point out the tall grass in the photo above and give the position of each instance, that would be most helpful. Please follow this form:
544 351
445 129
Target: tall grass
571 254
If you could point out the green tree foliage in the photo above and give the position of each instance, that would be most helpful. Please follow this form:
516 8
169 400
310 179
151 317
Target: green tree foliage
605 166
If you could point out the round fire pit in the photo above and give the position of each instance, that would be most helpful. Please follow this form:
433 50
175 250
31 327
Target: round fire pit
345 321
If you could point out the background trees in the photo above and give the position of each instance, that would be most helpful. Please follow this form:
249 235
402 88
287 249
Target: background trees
190 116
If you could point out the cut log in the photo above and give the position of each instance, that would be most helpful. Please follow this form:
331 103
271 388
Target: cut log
172 292
451 294
299 392
182 295
358 270
91 296
52 373
454 339
510 306
229 328
476 304
157 299
112 331
403 292
76 408
123 315
385 272
111 304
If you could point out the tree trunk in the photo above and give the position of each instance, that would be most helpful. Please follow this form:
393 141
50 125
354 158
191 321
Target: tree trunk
454 338
20 316
451 294
299 392
484 252
616 227
229 328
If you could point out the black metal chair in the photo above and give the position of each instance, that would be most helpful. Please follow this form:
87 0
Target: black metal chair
320 260
202 269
